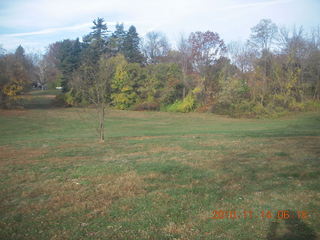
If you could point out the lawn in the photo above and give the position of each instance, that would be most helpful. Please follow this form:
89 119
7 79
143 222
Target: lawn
157 176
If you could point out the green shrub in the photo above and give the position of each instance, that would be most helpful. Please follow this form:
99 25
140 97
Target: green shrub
188 104
59 100
280 100
69 98
244 108
13 102
311 105
259 110
295 106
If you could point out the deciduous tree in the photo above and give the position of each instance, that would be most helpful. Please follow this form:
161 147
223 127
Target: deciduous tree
155 46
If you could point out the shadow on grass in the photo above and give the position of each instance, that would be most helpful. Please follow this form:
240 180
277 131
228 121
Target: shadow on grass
295 229
305 126
40 99
39 103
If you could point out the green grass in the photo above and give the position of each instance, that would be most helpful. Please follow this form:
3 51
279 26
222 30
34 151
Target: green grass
157 176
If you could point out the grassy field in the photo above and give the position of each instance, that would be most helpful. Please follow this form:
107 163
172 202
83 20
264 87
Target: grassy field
158 175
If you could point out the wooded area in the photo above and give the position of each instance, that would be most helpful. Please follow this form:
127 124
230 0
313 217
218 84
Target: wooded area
276 70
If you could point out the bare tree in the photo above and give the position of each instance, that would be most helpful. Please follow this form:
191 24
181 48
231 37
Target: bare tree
155 46
262 37
50 61
313 62
293 42
242 55
263 34
2 50
185 60
315 37
40 70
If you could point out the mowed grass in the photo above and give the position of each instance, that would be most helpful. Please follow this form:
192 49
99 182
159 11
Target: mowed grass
157 176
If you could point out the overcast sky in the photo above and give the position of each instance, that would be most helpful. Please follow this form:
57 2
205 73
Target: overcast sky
36 23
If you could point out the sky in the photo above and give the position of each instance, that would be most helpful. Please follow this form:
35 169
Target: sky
35 24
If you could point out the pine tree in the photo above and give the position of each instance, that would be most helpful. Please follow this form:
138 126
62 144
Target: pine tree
99 30
116 41
20 52
131 46
95 43
69 60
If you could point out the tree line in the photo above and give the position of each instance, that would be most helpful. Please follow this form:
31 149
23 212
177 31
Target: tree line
276 70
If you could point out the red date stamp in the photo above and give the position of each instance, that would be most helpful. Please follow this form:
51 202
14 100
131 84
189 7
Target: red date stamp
265 214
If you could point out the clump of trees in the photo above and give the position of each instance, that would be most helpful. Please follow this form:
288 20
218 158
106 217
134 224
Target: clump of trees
17 71
275 70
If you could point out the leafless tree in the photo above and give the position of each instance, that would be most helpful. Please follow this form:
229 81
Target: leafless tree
242 55
263 34
185 60
2 50
293 42
155 46
40 69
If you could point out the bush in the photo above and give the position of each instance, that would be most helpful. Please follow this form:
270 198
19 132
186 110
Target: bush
311 105
59 100
295 106
188 104
69 99
14 102
260 110
147 106
244 108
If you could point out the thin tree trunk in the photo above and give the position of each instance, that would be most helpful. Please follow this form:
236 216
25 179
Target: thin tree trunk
184 83
101 124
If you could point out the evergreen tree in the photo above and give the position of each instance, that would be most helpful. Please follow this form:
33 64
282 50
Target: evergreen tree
100 30
69 60
116 41
131 46
95 43
20 52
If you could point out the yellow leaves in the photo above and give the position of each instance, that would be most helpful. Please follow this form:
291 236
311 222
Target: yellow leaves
197 90
126 89
123 100
12 89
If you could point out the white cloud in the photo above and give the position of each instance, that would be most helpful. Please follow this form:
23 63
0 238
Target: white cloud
254 4
47 31
231 18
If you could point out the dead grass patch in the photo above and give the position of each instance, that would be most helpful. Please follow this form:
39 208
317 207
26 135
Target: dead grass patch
65 198
141 138
186 231
291 145
12 112
158 149
66 159
12 156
